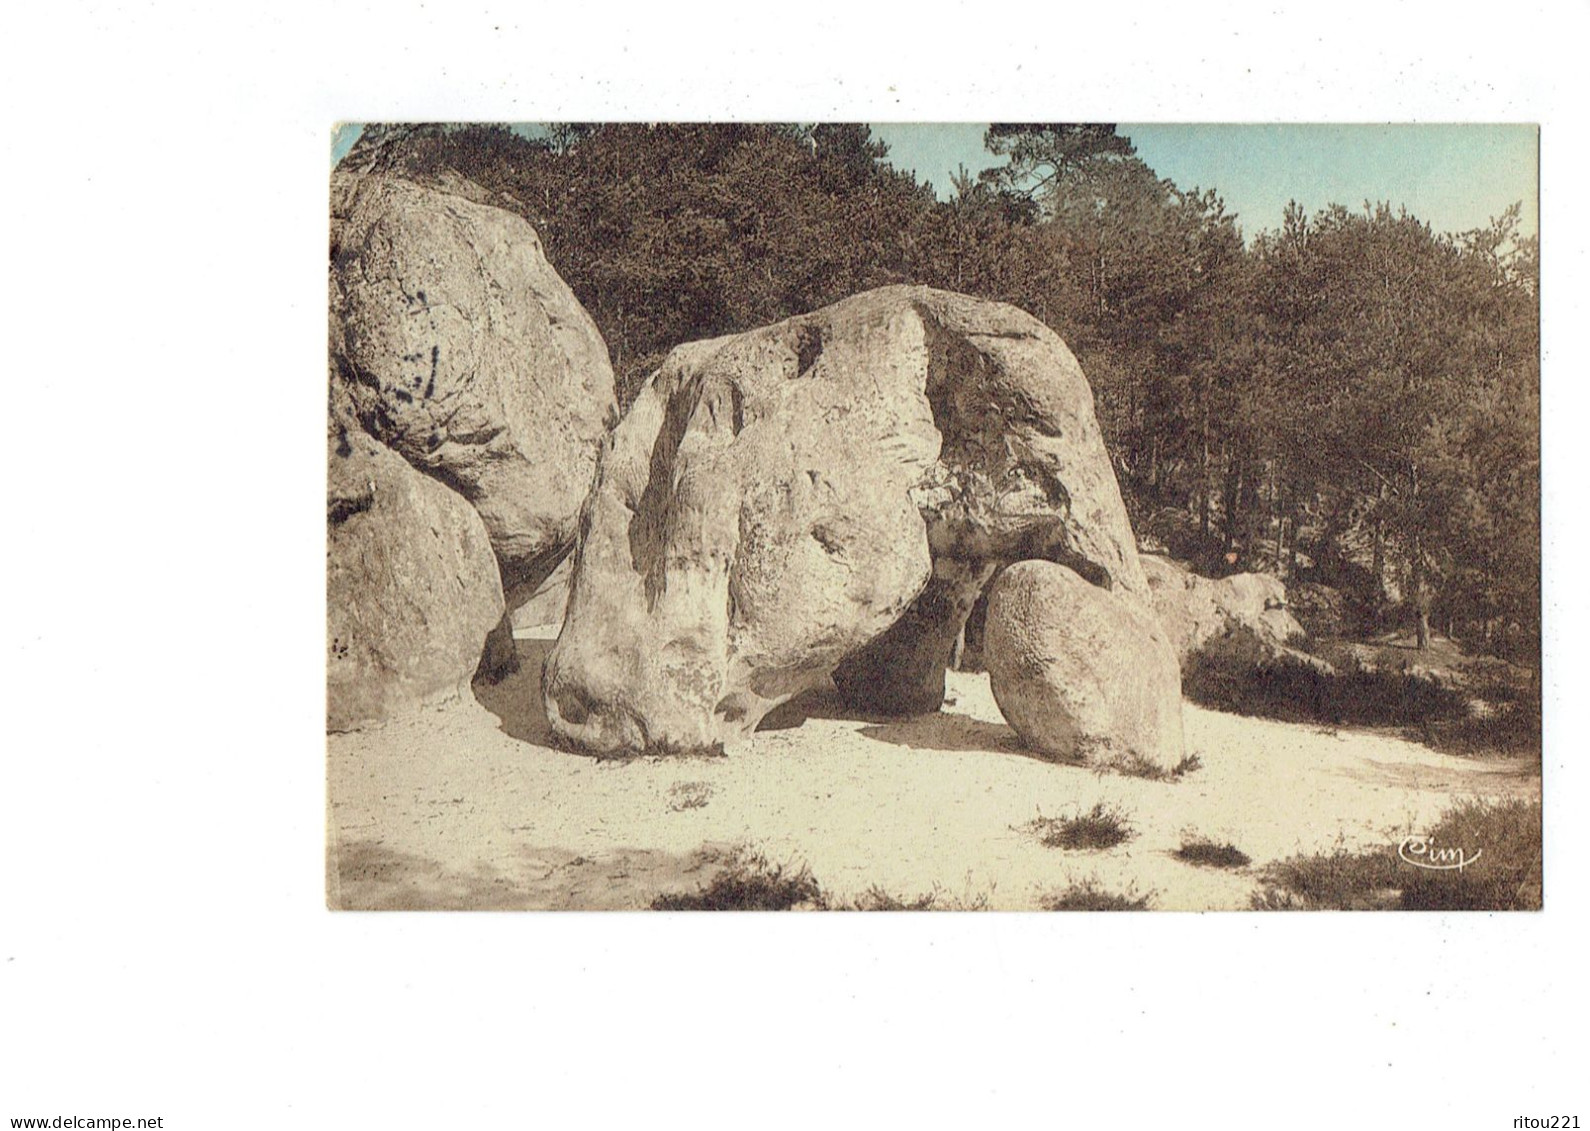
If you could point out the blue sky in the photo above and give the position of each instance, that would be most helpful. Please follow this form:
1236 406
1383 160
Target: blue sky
1455 177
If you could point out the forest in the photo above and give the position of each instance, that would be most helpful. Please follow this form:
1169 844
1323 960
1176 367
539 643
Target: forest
1351 401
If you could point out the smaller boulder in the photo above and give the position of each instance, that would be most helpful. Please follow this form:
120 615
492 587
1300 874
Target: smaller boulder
1245 614
1081 673
412 587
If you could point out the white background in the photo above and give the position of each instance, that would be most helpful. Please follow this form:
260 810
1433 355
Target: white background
164 947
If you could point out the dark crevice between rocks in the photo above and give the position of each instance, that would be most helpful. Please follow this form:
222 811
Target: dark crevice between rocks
808 347
901 672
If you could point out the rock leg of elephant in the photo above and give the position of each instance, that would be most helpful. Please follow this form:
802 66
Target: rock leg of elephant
902 671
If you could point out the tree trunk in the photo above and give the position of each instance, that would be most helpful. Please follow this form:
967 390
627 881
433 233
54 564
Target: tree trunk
1272 521
1421 600
1421 595
1203 480
1232 500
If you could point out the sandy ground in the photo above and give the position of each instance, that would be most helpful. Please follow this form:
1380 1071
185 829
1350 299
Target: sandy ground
465 805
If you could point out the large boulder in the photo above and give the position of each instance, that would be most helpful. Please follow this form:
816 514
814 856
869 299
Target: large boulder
412 587
461 349
1243 616
835 487
1080 673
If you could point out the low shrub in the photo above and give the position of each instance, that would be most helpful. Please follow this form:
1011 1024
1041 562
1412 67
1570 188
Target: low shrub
1500 843
1139 767
876 899
1100 827
1507 874
748 883
1088 896
1508 728
1207 853
689 795
1297 692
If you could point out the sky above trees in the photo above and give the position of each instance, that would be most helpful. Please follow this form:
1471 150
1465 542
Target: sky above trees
1454 177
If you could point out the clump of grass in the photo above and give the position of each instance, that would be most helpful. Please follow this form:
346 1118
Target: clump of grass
877 899
688 795
1088 896
1137 766
1501 840
1207 853
748 882
1271 898
1339 880
1100 827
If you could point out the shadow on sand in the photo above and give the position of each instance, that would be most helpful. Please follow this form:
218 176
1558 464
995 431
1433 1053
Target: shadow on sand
938 731
366 875
516 698
516 701
950 732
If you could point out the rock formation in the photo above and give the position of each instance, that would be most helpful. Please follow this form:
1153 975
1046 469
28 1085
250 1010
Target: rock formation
1243 615
1081 673
412 587
835 487
461 349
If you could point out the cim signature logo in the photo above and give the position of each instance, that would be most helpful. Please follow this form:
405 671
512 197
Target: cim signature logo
1422 852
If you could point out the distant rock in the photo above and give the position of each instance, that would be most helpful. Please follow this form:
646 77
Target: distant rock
461 349
412 587
1243 616
835 487
1081 673
545 604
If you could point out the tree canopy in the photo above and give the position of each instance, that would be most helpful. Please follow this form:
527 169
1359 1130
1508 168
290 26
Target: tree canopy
1352 398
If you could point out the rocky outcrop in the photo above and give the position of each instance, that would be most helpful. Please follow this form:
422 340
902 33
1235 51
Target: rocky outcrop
461 349
835 487
1243 616
1080 673
412 587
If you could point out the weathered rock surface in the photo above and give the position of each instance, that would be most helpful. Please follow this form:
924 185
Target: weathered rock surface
412 587
1244 615
776 500
461 349
1081 673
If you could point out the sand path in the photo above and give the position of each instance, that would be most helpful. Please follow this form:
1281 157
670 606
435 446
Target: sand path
465 805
